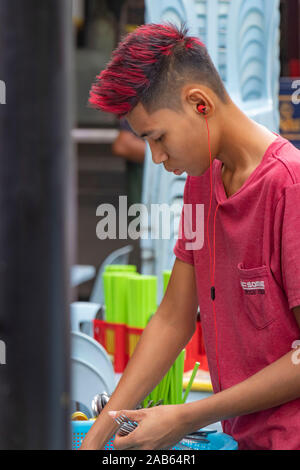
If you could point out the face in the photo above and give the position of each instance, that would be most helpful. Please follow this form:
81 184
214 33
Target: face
177 139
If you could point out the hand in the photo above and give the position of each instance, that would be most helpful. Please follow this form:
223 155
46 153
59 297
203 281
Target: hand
159 427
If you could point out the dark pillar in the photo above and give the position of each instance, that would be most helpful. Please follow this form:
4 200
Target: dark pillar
35 188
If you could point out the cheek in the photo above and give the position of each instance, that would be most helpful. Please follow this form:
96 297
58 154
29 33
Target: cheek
183 148
182 153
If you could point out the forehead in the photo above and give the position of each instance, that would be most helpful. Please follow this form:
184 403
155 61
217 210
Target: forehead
142 122
138 119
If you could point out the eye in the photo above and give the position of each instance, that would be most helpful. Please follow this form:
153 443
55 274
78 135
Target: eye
159 139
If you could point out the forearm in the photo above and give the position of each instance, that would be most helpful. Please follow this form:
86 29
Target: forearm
159 345
274 385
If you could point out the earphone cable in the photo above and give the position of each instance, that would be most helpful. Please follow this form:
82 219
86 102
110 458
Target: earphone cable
214 252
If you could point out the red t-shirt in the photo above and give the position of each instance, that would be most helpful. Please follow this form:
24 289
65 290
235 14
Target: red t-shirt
257 282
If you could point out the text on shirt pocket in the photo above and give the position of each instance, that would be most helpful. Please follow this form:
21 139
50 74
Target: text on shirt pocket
257 296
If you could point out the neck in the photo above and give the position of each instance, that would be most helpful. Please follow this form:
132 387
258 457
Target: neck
243 142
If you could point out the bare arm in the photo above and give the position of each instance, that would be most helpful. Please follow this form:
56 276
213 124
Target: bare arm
162 340
260 392
128 146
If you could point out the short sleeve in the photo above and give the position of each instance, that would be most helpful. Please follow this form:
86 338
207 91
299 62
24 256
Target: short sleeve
288 209
181 249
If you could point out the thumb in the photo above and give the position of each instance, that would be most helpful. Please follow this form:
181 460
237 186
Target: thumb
132 415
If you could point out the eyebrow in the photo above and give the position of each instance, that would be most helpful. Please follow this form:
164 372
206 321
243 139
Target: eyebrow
145 134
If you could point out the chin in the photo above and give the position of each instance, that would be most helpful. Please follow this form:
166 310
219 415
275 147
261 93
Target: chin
194 173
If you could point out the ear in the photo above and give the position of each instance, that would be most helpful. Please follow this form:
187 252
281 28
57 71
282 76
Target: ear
195 96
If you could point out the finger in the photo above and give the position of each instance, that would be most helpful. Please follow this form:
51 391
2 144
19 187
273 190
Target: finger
125 442
132 415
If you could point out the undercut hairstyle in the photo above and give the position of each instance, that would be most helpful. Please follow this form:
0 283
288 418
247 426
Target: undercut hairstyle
151 65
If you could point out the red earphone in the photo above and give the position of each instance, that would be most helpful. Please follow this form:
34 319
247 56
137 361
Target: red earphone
201 108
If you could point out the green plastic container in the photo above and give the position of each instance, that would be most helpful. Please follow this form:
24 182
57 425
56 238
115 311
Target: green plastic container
116 295
120 268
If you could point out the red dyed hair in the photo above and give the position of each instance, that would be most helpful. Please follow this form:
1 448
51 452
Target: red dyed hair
140 64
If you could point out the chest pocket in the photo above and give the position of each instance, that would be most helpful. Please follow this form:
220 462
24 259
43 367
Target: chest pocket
255 285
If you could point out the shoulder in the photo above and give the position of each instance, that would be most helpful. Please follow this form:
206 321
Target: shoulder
287 161
283 167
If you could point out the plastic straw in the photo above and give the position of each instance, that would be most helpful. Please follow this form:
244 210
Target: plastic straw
170 387
174 382
179 377
154 394
163 388
182 357
166 392
188 388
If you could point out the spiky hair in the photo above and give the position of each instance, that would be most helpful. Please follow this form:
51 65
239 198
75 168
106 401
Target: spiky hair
151 65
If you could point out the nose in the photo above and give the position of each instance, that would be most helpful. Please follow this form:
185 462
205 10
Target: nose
158 155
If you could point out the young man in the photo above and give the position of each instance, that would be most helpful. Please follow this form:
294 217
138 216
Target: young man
167 87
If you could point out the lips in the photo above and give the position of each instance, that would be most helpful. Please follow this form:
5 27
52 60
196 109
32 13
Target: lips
170 171
176 171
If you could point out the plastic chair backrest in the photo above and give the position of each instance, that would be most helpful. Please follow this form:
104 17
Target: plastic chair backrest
86 382
83 313
87 349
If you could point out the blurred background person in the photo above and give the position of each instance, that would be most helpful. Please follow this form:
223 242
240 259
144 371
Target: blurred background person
132 148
